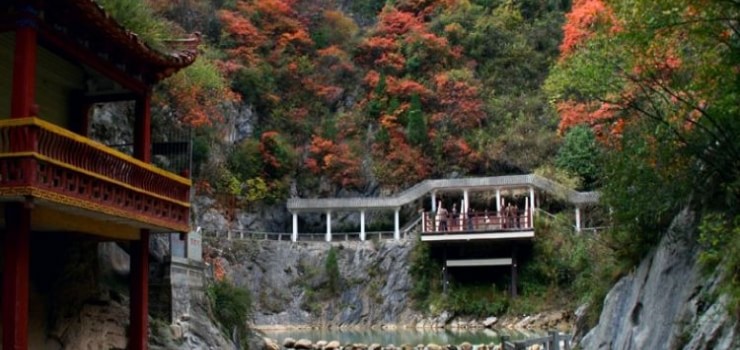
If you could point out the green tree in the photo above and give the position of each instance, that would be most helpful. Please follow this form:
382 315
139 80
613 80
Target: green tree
231 305
416 130
331 265
578 155
656 81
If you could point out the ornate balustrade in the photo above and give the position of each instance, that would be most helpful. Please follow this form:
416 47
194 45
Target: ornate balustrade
478 222
41 160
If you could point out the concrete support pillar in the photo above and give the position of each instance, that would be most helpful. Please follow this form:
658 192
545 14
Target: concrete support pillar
434 201
498 202
294 238
513 271
139 304
396 226
328 226
531 202
466 202
578 219
16 254
362 225
526 213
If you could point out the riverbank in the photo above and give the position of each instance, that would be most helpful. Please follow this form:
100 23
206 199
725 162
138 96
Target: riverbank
561 320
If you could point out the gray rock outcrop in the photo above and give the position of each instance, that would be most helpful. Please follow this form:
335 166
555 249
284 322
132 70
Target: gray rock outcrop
663 303
288 282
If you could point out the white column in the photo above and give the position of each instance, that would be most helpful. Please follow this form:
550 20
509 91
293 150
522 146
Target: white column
396 228
578 219
295 227
466 203
423 221
526 213
498 201
434 201
362 225
531 201
328 226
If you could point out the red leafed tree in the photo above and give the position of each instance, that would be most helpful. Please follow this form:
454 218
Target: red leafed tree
581 21
336 161
459 102
399 165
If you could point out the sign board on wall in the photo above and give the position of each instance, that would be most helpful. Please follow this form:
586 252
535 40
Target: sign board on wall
195 245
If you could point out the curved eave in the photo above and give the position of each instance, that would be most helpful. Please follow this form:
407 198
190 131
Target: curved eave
94 20
169 62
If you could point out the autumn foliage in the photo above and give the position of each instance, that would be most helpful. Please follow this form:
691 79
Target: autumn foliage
582 21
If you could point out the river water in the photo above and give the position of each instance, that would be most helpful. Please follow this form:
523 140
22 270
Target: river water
398 336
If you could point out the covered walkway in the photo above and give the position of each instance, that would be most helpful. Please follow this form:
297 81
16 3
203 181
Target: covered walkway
506 218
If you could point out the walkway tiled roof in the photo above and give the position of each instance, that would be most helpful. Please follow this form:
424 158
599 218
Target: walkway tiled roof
423 188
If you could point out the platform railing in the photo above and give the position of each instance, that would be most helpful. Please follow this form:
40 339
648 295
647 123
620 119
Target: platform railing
40 158
478 222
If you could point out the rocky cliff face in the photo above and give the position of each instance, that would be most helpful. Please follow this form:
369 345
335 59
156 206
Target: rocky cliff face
289 282
666 303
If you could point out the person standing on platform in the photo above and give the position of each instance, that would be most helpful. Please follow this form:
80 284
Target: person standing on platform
442 217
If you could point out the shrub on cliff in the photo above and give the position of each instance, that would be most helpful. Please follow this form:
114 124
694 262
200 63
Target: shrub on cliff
231 306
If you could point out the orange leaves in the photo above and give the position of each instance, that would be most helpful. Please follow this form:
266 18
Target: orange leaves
459 101
406 88
400 164
393 22
602 117
581 21
335 160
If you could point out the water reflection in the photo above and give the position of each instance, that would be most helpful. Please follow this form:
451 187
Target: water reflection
399 336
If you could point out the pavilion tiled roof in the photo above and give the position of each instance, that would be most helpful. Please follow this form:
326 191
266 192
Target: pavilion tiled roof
91 19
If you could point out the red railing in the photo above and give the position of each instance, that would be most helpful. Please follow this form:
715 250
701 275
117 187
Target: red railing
478 222
36 154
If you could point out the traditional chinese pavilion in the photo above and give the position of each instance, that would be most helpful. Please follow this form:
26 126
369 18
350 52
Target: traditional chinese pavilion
57 59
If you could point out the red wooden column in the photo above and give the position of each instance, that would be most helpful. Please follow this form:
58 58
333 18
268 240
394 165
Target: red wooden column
24 65
143 129
139 307
16 254
16 249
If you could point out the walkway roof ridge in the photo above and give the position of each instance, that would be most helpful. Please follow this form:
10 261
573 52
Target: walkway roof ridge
420 189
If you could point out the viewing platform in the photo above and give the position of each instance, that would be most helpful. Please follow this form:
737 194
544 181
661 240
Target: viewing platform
482 226
511 191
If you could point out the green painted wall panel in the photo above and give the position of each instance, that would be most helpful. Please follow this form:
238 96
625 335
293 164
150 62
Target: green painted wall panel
7 41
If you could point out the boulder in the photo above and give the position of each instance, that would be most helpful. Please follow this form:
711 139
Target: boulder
482 347
466 346
176 331
432 346
390 347
303 344
288 343
359 346
321 344
407 347
333 345
374 346
489 322
270 344
450 347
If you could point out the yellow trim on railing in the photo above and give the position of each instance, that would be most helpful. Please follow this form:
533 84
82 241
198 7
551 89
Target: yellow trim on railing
93 174
99 146
92 206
